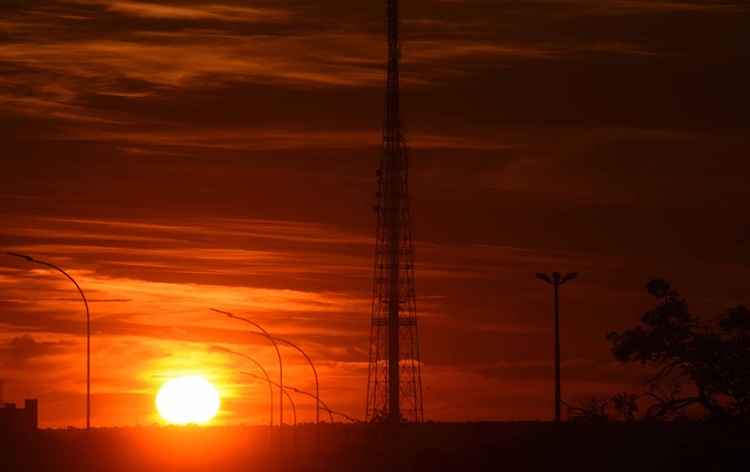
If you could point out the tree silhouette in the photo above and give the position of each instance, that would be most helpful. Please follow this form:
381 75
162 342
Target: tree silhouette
626 405
590 410
705 364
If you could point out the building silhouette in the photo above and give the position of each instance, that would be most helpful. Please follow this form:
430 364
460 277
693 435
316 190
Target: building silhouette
19 420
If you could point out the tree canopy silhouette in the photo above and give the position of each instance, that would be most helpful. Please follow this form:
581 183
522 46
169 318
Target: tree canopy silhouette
708 364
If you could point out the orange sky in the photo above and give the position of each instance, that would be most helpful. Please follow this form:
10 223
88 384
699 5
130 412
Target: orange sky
183 155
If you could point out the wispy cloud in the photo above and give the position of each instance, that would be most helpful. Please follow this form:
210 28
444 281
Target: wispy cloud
254 139
218 12
18 351
60 68
637 7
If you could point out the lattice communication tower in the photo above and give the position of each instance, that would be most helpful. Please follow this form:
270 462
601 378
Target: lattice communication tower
394 385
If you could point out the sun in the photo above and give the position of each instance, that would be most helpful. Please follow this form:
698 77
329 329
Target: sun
188 400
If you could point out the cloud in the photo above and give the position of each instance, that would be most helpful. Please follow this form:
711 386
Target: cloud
63 71
145 231
602 8
19 351
254 139
197 12
615 7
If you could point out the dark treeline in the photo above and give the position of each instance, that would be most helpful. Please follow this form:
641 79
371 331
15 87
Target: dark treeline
663 447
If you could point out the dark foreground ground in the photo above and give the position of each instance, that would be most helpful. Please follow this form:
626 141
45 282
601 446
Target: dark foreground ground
512 447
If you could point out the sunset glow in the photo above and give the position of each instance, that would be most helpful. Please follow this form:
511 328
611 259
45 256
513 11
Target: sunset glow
174 156
188 400
378 235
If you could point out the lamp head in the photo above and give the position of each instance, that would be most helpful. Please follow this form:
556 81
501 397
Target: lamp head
221 312
543 277
28 258
569 277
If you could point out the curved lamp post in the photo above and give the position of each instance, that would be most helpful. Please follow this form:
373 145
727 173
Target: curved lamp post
556 279
281 371
317 387
88 328
266 377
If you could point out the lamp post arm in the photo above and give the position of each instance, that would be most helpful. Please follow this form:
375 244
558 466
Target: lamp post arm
59 269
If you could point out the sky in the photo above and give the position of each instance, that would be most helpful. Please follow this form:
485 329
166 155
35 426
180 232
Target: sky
178 156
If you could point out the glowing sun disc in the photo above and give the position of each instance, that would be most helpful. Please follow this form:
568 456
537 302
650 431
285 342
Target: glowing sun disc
186 400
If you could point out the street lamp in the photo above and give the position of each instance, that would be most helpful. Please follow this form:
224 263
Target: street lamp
317 388
265 376
275 341
556 280
265 334
88 328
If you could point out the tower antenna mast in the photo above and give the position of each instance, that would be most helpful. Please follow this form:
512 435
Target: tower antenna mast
394 387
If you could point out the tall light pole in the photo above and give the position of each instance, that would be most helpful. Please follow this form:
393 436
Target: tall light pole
88 328
268 381
317 391
281 372
556 280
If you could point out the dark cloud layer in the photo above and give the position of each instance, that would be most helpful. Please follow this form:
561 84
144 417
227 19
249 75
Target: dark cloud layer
20 350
